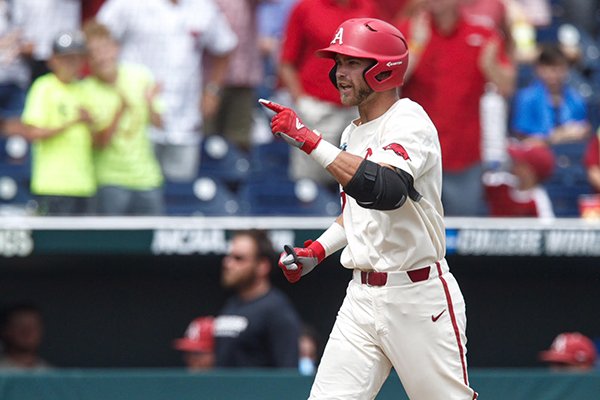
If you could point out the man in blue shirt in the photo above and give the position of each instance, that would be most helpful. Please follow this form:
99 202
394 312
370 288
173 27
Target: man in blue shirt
549 109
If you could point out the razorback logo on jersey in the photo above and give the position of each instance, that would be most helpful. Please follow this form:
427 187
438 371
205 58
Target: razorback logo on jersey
398 149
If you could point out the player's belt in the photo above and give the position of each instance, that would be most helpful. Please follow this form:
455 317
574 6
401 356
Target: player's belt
372 278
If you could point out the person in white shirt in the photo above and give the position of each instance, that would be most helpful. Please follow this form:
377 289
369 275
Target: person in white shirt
41 22
403 308
169 37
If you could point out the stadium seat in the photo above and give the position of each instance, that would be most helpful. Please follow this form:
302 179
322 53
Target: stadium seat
13 191
205 196
285 197
269 160
223 160
569 180
14 158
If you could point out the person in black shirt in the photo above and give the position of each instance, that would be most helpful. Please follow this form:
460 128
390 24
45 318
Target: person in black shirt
258 326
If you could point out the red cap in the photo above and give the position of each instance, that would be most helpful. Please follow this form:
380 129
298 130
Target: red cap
538 156
198 336
571 348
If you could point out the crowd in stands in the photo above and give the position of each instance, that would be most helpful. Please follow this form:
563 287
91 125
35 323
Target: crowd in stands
112 107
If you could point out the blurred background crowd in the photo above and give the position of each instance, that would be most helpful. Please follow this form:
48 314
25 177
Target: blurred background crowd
111 107
120 107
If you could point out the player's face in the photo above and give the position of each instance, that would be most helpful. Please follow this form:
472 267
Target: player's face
240 265
350 79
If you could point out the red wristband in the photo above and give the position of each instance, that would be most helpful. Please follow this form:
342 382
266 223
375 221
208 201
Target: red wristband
318 250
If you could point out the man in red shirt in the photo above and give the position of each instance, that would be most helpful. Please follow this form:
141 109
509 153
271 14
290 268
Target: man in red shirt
305 75
451 61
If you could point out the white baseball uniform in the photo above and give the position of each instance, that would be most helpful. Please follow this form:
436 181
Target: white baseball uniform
416 321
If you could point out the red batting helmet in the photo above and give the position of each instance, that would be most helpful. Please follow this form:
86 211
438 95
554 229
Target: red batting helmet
571 348
374 39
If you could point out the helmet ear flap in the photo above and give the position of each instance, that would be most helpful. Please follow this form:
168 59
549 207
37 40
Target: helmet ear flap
332 73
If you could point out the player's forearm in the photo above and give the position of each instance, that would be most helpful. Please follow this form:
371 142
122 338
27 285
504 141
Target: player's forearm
334 238
344 167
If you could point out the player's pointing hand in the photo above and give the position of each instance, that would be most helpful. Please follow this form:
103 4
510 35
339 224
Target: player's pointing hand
296 262
271 105
288 125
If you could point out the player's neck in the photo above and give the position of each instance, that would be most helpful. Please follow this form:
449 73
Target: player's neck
376 106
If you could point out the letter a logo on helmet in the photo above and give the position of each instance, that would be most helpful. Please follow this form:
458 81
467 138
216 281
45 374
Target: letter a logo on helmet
338 37
372 39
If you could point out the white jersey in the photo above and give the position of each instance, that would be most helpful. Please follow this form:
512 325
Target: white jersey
42 21
169 39
413 235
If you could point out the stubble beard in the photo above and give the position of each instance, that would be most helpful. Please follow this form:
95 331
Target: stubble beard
361 96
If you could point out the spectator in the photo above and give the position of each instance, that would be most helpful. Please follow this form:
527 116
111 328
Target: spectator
21 333
455 49
258 327
519 192
41 22
172 50
394 10
571 351
122 99
592 162
234 116
14 72
62 174
316 101
198 345
549 110
309 348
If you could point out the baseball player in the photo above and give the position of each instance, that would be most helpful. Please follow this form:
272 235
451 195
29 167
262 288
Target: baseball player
403 308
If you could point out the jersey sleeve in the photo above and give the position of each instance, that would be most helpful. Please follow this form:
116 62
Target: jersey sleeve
405 142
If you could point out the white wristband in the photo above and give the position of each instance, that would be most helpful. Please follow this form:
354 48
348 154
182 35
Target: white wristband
333 239
325 153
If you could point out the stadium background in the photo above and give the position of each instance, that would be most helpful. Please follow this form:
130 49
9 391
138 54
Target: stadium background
113 301
115 292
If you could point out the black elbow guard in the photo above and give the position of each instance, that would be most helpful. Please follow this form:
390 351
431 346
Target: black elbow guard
380 188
